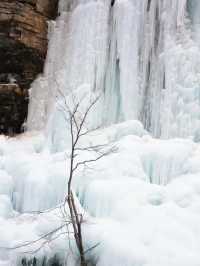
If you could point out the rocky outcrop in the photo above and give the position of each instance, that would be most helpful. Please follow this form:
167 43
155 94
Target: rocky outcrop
23 47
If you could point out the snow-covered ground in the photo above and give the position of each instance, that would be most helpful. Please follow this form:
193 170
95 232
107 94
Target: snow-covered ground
141 204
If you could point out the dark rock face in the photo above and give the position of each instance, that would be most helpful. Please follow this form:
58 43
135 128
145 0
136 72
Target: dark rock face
23 47
13 109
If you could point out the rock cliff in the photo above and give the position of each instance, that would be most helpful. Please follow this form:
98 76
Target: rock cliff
23 47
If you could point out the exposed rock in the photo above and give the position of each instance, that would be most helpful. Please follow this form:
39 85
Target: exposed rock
23 46
12 108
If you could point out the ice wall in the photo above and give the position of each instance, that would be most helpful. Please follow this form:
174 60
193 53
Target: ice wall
143 56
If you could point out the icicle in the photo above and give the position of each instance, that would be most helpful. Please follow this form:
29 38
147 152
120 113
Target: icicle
143 56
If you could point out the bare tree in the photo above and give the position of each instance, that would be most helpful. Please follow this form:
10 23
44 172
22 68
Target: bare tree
77 120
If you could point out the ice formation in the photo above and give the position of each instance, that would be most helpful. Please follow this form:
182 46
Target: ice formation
143 56
141 204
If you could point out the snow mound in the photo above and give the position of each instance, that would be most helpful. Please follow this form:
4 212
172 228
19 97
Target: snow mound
141 202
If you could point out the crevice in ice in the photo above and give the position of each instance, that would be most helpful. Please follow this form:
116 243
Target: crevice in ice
54 261
163 163
148 5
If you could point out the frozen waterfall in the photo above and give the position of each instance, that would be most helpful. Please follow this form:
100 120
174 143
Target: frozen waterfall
144 56
140 204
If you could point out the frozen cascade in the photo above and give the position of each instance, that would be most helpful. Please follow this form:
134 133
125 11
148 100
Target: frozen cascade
77 56
121 192
142 55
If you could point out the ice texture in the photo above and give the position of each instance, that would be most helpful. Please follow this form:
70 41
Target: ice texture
142 56
141 203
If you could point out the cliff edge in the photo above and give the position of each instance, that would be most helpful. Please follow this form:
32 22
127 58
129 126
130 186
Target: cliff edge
23 47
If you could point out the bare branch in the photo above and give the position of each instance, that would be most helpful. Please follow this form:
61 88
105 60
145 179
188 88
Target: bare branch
84 119
77 122
91 248
89 131
36 240
92 160
47 242
92 148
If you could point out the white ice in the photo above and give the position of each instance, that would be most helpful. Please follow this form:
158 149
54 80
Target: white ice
141 204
